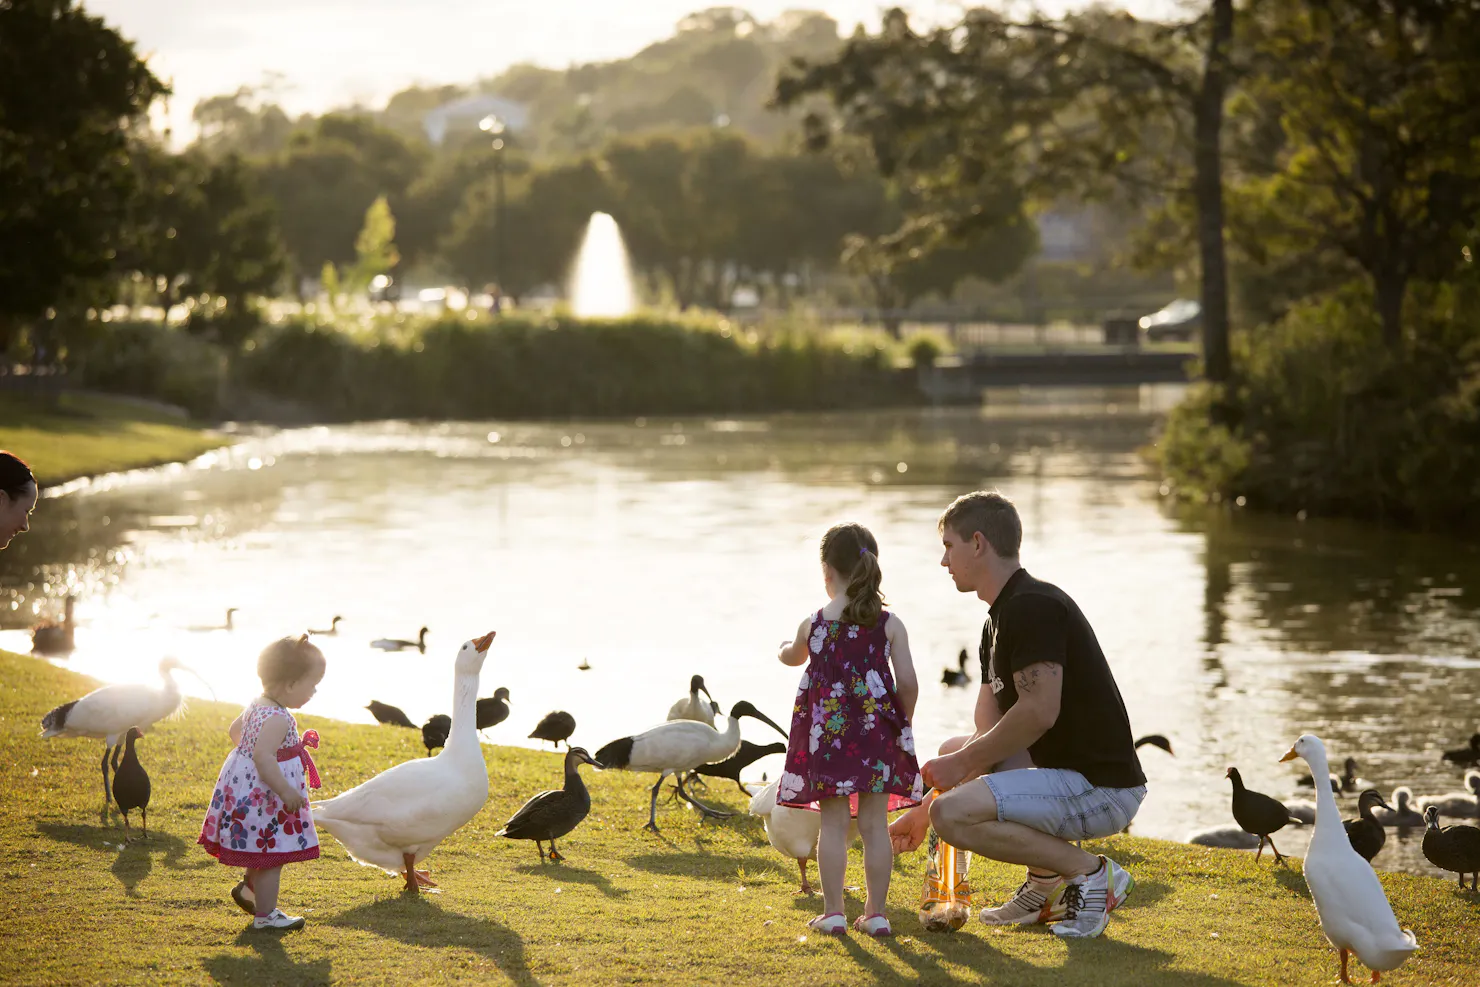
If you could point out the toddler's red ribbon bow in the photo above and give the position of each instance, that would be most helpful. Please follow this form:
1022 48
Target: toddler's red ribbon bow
300 751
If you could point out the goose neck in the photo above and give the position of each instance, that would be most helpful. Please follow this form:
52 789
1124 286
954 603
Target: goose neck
464 732
1328 817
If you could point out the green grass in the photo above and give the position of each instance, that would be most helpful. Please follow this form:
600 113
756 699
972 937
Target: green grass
700 905
78 435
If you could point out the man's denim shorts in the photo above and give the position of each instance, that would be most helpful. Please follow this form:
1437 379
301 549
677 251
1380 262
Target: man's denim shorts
1063 803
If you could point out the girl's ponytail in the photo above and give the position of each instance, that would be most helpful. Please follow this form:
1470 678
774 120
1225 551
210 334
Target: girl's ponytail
850 549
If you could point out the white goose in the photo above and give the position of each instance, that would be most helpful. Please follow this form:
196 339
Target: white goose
1462 805
108 712
396 818
680 746
793 832
691 707
1354 911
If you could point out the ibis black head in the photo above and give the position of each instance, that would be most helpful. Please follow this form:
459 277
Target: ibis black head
743 708
696 686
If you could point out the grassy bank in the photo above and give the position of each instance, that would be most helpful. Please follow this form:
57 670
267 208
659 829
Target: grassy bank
77 435
701 904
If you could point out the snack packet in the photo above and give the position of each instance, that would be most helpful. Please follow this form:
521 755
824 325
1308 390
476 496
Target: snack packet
945 902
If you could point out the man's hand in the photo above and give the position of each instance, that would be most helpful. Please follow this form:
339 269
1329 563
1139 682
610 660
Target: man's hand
945 772
908 831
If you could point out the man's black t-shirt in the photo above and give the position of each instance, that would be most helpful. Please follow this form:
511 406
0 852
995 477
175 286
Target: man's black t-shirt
1032 621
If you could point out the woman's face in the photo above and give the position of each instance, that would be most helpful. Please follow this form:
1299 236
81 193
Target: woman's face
15 513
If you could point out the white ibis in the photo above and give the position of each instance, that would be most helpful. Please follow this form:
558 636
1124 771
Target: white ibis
679 746
691 707
399 816
108 712
397 644
55 639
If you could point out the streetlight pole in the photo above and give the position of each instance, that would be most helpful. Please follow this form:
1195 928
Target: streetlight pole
494 127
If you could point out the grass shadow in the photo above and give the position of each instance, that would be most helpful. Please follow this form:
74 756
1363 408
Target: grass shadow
574 875
1147 893
1292 880
133 863
268 964
417 921
709 866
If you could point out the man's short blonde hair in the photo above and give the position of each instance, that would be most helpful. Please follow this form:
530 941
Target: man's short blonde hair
990 513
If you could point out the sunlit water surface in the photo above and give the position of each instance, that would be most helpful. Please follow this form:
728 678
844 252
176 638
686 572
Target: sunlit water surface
655 549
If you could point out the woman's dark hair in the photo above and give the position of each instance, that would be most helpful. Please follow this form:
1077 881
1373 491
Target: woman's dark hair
287 660
851 551
15 475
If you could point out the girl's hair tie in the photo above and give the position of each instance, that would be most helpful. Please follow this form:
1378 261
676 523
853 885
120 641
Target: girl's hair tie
862 552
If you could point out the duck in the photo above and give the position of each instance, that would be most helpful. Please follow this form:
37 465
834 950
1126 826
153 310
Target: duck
1347 782
691 707
386 713
492 712
1465 756
731 766
957 676
1453 848
555 727
435 730
108 712
1155 740
395 819
1352 907
679 746
793 832
131 783
56 638
229 624
1461 805
396 644
330 631
1364 832
1258 814
1303 811
551 815
1225 837
584 666
1403 814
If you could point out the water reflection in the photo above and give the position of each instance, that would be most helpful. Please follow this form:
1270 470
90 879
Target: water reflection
654 549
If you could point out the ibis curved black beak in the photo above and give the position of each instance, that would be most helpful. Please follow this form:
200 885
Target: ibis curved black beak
766 719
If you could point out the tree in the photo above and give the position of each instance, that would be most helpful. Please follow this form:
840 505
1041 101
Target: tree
70 89
1377 107
1090 106
240 123
375 247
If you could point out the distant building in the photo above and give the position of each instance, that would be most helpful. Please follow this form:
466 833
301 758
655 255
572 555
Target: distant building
469 110
1066 236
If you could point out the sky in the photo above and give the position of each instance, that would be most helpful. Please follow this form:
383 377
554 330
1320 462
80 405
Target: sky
318 54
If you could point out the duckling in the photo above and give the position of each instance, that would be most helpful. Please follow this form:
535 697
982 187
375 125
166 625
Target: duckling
957 676
331 630
1365 833
55 639
1258 814
1404 813
555 727
550 815
1453 848
131 784
397 644
1462 805
492 712
434 732
386 713
1466 756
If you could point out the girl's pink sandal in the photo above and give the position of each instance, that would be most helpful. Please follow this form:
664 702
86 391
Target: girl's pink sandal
834 925
873 925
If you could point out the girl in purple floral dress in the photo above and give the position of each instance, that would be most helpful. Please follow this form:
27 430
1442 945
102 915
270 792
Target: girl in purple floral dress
851 750
259 817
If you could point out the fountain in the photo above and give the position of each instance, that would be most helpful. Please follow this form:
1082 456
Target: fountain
601 283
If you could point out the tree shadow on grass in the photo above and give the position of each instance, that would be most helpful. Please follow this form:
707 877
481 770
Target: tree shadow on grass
417 921
269 963
709 866
565 873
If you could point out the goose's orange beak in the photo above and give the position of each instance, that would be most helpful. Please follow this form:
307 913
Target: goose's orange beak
482 643
1290 755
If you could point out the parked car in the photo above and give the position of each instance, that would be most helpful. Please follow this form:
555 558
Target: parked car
1179 320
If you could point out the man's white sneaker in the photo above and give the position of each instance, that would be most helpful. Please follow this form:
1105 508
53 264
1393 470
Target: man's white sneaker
1088 900
1033 904
277 920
